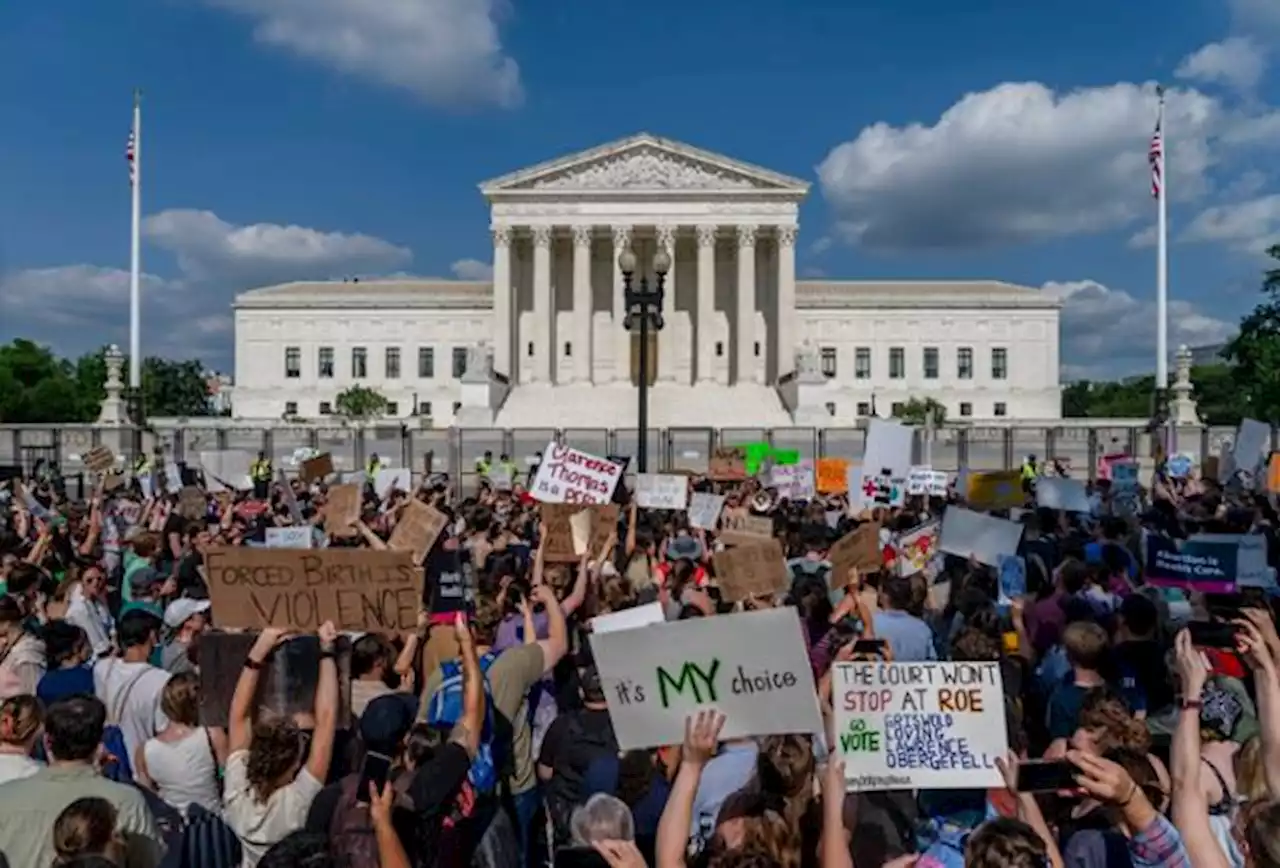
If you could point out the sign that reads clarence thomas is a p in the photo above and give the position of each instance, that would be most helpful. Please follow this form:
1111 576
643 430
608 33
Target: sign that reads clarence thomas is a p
357 589
903 726
752 666
568 475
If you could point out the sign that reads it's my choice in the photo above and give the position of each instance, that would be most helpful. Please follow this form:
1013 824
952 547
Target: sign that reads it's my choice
356 589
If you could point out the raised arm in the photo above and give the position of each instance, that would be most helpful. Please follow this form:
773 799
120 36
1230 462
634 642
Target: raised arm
556 645
701 737
468 731
326 706
240 718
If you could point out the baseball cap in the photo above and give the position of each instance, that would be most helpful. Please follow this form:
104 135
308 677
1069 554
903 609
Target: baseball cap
142 581
386 721
177 612
684 548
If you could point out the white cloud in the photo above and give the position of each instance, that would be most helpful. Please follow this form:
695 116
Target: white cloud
472 269
1108 332
1250 226
1238 62
211 249
1015 163
447 52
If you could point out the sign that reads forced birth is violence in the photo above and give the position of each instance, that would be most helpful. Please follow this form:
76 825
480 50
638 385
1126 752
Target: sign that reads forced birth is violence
568 475
357 589
919 725
752 666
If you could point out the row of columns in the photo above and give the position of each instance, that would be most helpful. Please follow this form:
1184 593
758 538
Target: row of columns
622 236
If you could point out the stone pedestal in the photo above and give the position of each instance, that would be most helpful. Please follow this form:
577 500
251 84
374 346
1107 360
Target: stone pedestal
114 411
1182 408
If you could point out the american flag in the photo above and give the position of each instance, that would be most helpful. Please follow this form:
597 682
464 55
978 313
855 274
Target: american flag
128 155
1155 156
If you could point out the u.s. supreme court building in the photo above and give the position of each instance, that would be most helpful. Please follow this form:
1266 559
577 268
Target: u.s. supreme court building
745 343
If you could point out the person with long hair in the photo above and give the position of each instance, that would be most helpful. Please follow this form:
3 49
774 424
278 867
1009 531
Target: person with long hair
20 720
181 762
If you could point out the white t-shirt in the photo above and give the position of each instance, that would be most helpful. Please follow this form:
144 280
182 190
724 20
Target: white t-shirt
14 767
257 824
131 693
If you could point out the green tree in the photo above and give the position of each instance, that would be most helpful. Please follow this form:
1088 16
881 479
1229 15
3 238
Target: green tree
1218 400
37 387
916 411
1255 351
169 388
360 403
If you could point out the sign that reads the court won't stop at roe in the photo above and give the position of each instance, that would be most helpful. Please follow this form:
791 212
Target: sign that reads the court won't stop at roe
357 589
568 475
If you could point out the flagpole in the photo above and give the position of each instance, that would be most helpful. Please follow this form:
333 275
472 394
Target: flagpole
135 253
1162 271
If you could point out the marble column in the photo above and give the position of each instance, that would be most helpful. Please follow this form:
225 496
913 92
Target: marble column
622 351
666 236
543 332
704 338
786 300
582 304
746 303
502 301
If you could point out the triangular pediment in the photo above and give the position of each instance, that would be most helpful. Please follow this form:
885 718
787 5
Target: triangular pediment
644 164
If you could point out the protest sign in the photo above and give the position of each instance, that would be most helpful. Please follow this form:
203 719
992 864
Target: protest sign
227 469
316 468
858 549
294 537
739 528
1179 466
902 726
662 491
1013 578
449 587
832 475
356 589
289 497
559 548
500 478
752 570
914 549
1207 567
1124 476
417 529
628 619
793 481
99 459
390 479
704 509
1251 446
192 503
998 489
1069 495
752 667
919 478
1273 474
727 464
343 508
580 529
1251 557
966 533
568 475
886 461
881 488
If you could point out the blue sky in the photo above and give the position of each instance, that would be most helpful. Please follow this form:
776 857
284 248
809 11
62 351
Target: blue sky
289 139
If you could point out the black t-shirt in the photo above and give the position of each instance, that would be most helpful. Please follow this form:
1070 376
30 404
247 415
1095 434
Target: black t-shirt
434 792
573 742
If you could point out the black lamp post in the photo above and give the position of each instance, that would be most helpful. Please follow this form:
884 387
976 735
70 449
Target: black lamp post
644 311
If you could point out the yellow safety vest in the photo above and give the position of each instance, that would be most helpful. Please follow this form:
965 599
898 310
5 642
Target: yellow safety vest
260 471
141 465
483 467
373 466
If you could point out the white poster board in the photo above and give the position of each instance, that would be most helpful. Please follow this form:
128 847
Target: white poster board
662 491
937 726
704 509
387 479
1069 495
1252 445
1251 561
628 619
568 475
227 469
293 537
753 667
886 463
967 533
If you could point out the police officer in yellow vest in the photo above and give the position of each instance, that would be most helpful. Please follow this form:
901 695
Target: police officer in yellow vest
141 464
1029 473
372 466
260 474
485 464
505 462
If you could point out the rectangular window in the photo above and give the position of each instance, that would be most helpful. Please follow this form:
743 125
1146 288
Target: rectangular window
292 362
756 350
966 409
568 349
325 362
459 362
291 408
897 363
326 409
862 363
359 363
424 409
897 409
1001 409
864 409
393 408
392 360
931 363
999 363
829 362
831 408
964 363
426 363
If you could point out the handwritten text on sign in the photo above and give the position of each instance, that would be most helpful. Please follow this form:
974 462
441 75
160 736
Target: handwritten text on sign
919 725
568 475
752 666
356 589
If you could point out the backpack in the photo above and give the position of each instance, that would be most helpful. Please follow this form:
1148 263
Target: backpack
351 837
445 710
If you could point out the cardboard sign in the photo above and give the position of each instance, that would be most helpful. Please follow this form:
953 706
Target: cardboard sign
728 464
858 549
739 528
937 726
832 475
1207 567
662 491
317 468
997 489
416 530
296 537
99 459
751 666
704 510
568 475
558 547
752 571
357 589
343 508
192 503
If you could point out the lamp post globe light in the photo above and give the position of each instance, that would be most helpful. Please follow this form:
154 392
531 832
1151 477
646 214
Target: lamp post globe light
644 312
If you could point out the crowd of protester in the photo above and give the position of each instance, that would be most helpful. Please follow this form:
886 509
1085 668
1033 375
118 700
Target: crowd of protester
491 727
